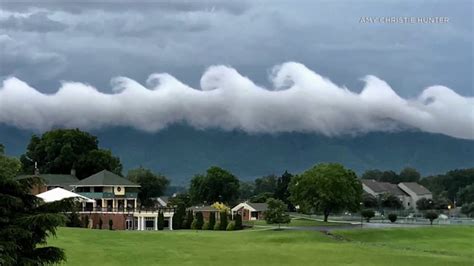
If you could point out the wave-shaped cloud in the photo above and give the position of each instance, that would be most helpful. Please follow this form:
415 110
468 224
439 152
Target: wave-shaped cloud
300 101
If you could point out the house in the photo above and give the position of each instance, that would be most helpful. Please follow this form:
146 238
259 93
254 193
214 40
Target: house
416 192
116 199
408 193
50 181
250 211
206 210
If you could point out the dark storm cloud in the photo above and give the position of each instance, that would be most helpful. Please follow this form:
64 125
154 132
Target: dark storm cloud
39 22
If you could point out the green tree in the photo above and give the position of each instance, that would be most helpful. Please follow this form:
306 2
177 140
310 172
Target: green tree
26 224
9 166
238 222
369 201
199 220
468 209
276 212
431 215
151 185
409 174
111 224
178 217
223 220
266 184
390 177
261 198
392 217
327 188
372 174
218 185
101 223
161 221
180 199
282 191
449 184
390 201
212 221
189 220
58 151
368 214
466 194
425 204
246 190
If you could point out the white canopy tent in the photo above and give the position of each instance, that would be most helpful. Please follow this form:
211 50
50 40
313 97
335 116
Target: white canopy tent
59 194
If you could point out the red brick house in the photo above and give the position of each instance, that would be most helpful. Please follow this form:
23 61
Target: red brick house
250 211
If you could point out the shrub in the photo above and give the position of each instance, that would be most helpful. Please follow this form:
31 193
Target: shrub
86 221
189 220
230 226
431 215
217 226
161 221
238 222
223 220
468 209
111 224
392 217
205 226
212 221
199 220
194 225
368 214
100 223
73 220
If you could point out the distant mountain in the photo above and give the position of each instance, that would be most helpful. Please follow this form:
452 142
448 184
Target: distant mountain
180 151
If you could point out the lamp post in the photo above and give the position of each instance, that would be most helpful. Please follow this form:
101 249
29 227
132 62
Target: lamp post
361 221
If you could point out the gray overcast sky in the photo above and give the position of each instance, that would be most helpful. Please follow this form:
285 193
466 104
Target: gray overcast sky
44 42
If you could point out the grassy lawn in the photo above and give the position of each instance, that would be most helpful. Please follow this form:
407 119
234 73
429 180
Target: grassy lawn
414 246
298 222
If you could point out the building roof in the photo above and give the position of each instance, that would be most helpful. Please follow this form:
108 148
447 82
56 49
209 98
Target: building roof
203 208
416 188
105 178
383 187
53 180
57 194
258 206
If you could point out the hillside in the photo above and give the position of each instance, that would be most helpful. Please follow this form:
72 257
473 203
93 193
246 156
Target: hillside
180 152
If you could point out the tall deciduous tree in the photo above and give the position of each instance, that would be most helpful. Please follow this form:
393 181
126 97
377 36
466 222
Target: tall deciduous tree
276 212
409 174
26 223
266 184
327 188
9 166
282 191
151 185
218 185
58 151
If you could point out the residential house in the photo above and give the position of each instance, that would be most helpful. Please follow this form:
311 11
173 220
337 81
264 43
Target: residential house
250 211
50 181
415 191
206 210
408 193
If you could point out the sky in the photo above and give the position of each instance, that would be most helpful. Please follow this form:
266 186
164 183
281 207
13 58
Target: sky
259 66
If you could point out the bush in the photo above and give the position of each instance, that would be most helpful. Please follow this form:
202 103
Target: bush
85 221
212 221
194 225
205 226
368 214
392 217
217 226
161 221
73 220
189 220
199 220
100 223
431 215
230 226
111 224
223 220
238 222
468 209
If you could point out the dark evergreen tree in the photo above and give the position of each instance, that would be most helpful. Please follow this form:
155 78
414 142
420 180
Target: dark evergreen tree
189 220
178 217
212 220
238 222
161 221
26 223
101 223
223 220
111 224
282 192
199 220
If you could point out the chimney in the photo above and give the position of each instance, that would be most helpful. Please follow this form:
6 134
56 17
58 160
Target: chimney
73 172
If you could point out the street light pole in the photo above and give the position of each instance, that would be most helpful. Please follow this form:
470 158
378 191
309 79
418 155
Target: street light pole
361 221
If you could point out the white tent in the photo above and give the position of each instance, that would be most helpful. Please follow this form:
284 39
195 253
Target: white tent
59 194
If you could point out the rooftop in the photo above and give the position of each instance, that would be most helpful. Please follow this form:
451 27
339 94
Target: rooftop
105 178
258 206
54 180
383 187
416 188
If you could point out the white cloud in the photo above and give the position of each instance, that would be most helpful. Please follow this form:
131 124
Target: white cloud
300 100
